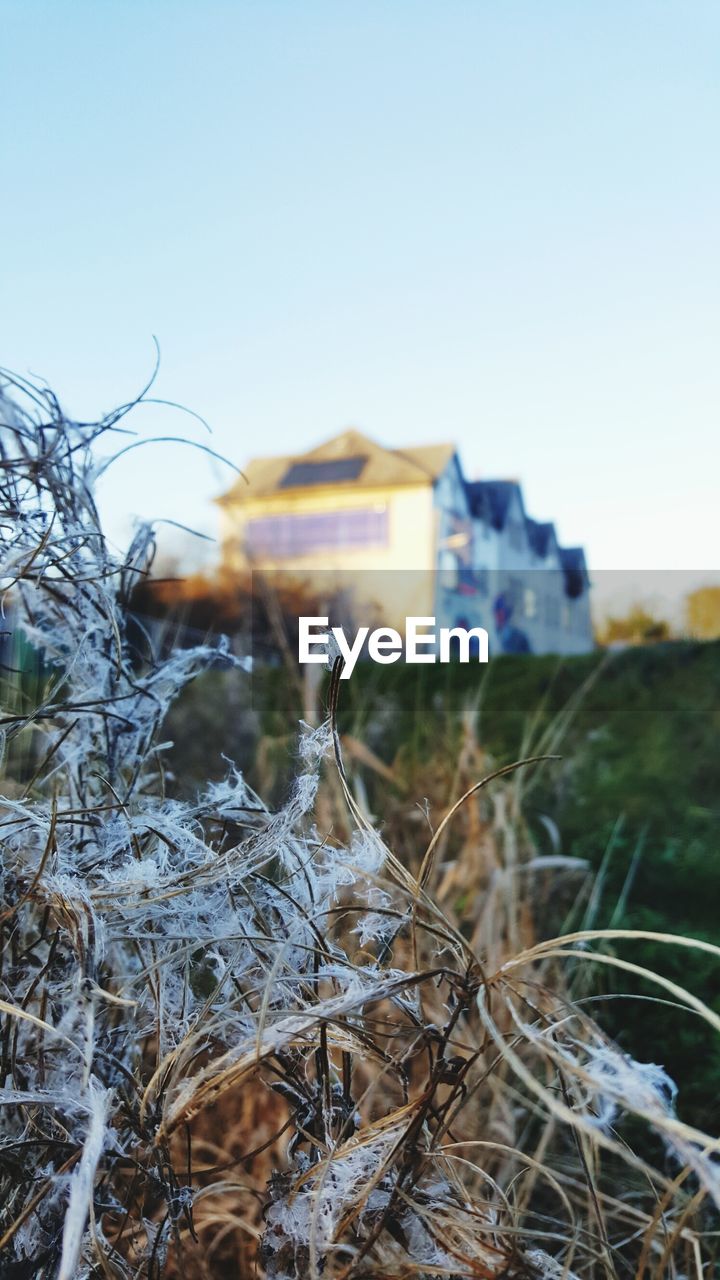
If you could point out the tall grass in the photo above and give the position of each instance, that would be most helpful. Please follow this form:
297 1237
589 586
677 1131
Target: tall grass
248 1041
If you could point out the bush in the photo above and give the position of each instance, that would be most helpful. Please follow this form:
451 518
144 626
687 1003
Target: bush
199 991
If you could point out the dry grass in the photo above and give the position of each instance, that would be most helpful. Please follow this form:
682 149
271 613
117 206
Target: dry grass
244 1042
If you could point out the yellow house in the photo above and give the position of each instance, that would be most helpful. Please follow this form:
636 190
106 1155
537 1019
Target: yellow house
346 516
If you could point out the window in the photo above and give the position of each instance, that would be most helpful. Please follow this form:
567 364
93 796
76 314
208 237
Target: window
530 602
280 537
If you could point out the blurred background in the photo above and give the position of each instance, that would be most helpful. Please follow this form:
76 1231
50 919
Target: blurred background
489 225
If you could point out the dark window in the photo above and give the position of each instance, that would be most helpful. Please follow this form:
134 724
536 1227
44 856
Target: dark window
333 471
299 535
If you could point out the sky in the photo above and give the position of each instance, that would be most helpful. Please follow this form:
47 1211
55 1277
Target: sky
494 223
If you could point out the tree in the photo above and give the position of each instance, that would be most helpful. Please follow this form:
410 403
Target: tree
702 613
638 626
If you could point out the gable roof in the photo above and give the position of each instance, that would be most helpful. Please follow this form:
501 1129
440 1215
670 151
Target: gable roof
432 458
490 500
541 535
575 570
359 461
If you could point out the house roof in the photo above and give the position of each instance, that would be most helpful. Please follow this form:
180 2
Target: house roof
350 457
490 499
540 535
573 558
574 568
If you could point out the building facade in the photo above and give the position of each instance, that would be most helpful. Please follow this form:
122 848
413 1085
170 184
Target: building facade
402 531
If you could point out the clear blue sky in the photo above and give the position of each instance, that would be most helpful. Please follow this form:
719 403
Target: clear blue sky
491 222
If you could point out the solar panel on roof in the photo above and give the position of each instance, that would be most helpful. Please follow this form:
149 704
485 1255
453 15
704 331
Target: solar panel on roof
331 472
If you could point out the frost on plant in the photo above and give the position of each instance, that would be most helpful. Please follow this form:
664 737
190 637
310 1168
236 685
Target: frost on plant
164 958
